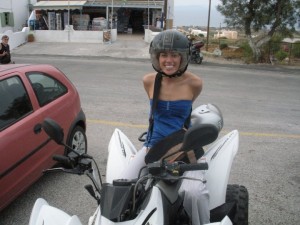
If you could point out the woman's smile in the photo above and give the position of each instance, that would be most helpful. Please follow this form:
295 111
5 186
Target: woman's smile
169 62
169 67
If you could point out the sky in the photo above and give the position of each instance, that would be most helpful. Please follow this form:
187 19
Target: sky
195 12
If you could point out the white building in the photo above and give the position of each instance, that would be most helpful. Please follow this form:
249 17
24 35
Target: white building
227 34
14 14
13 17
198 32
52 18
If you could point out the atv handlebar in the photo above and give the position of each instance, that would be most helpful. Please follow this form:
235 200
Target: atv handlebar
194 166
174 168
75 164
64 160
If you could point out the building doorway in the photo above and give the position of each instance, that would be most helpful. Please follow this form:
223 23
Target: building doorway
132 20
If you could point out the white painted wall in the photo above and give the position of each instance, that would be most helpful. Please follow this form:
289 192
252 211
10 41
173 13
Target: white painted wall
226 33
20 10
18 38
197 32
18 34
71 36
149 35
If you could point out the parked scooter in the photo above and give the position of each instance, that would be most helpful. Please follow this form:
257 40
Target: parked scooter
196 54
153 197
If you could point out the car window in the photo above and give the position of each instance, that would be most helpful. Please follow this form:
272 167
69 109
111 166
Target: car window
14 101
46 87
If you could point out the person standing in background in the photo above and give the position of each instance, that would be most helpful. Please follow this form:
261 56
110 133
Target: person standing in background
5 57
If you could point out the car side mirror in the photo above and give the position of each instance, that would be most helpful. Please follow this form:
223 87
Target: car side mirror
54 130
198 136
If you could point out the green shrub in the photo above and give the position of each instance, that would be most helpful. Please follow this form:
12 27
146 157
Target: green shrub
281 55
214 41
296 49
223 45
248 54
277 38
274 44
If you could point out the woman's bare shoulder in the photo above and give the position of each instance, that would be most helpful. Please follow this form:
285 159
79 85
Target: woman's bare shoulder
149 78
193 78
148 81
196 84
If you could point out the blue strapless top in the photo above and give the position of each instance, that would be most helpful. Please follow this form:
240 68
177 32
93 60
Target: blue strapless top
169 116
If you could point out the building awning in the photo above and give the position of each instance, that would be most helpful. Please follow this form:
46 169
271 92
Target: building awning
58 5
152 4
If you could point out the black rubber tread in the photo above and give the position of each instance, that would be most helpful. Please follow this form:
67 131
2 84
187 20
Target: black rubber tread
239 195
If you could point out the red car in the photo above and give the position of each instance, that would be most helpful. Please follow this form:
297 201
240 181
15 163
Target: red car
28 95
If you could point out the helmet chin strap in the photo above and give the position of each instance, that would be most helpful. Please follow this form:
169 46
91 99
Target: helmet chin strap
177 74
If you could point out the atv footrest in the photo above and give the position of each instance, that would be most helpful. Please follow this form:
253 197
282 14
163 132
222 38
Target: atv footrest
227 209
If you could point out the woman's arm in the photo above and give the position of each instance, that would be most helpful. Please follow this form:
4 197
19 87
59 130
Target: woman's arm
148 81
196 85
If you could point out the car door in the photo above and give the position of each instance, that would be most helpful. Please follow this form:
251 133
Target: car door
21 139
53 98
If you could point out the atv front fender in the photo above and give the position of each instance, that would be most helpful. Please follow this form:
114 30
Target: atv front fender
43 213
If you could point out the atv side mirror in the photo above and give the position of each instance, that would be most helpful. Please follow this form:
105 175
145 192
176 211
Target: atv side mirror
198 136
54 131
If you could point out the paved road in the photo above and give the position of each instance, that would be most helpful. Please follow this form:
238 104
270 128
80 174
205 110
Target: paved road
263 103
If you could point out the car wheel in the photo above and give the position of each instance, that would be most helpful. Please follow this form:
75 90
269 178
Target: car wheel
77 140
239 195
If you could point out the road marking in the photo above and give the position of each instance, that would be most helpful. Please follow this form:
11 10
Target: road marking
120 124
294 136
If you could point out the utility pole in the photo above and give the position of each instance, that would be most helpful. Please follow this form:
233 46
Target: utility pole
208 22
69 21
164 18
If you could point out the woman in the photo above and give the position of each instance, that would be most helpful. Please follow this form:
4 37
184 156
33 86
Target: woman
179 88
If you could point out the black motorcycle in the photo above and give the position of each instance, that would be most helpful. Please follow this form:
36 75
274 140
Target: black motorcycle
196 54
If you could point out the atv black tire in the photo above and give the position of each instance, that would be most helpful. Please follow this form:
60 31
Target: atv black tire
239 195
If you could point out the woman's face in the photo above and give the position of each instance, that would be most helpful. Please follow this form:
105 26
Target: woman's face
169 62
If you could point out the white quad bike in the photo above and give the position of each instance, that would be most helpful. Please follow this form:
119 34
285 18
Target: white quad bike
152 198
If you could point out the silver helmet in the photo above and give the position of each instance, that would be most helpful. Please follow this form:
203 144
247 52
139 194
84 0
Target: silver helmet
170 40
208 114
